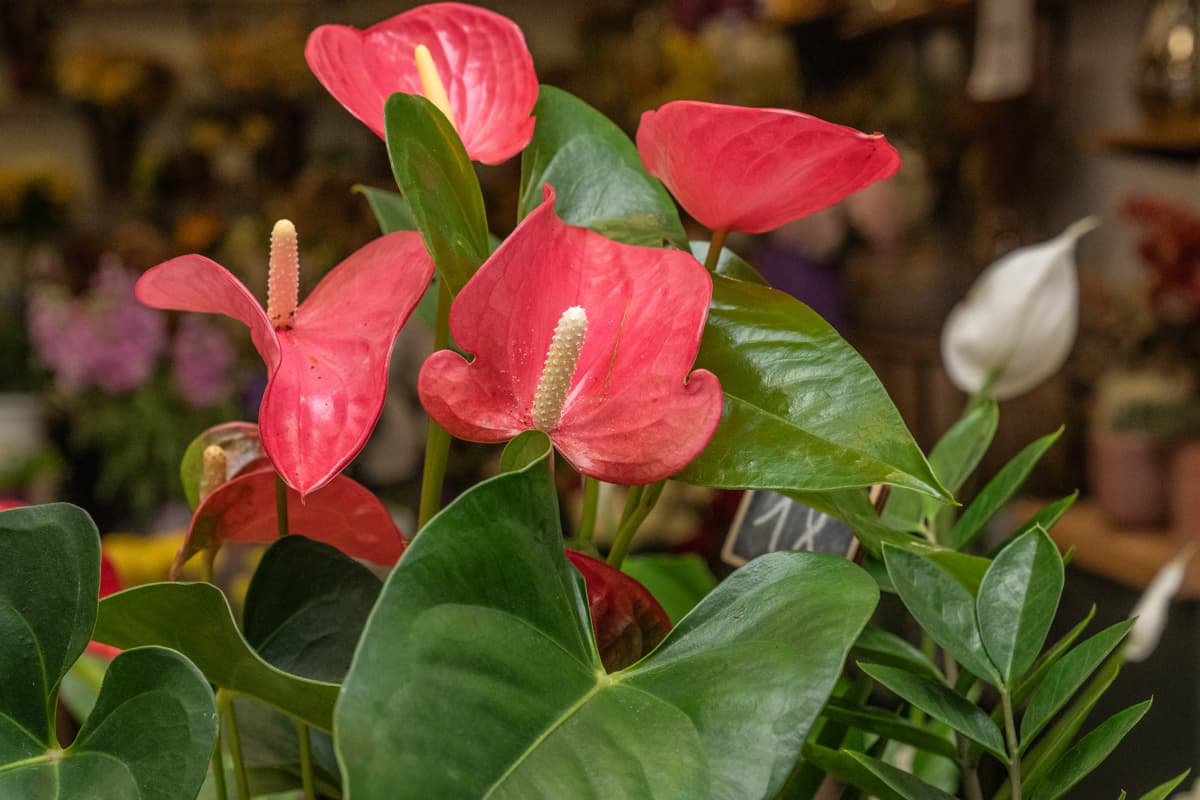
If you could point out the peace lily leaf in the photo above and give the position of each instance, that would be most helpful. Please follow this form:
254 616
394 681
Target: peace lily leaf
943 608
999 490
626 619
597 174
1088 753
342 513
306 605
678 582
953 459
389 208
878 645
803 411
729 264
754 169
876 777
1067 676
1017 602
1163 790
891 726
939 701
478 56
195 619
242 446
49 580
148 737
1016 326
483 626
438 182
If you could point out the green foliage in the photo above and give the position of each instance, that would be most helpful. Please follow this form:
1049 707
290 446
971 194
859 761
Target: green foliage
678 583
876 777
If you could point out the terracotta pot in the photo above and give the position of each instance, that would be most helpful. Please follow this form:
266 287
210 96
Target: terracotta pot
1130 478
1185 490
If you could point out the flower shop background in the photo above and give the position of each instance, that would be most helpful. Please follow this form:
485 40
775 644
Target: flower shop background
135 130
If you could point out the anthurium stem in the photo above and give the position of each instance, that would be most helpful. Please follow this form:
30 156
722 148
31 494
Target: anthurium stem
591 502
714 249
281 507
209 556
306 767
437 441
639 505
1014 751
218 768
226 711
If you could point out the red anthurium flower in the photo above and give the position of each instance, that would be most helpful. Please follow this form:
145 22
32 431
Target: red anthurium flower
473 65
626 619
586 339
754 169
343 514
327 358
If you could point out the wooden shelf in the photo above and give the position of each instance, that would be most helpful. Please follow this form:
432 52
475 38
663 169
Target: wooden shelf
1129 557
1176 138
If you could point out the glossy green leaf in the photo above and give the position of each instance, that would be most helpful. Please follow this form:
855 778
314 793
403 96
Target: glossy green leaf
890 726
880 646
49 580
306 606
271 750
483 627
803 410
524 449
873 776
1029 684
148 738
1045 519
678 582
438 182
242 445
1164 790
1017 602
942 606
729 264
389 208
597 174
999 490
1088 753
941 702
1067 676
953 459
195 619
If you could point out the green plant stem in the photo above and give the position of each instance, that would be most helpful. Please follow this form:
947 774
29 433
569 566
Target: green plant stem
281 507
226 711
306 767
715 244
437 441
207 560
1014 751
591 502
218 768
639 505
966 766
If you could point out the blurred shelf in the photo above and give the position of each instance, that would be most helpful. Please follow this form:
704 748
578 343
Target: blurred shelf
1130 557
1175 138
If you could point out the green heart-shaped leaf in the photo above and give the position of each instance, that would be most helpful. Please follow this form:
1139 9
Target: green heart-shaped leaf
195 619
596 173
803 410
438 182
478 676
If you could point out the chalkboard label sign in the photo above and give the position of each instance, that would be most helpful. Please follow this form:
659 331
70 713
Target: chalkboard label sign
769 521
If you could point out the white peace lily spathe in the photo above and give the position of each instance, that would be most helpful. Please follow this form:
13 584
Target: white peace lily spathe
1152 607
1017 324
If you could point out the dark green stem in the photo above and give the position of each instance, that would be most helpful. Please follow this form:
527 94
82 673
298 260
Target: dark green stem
207 560
218 768
281 507
306 766
437 441
225 709
967 768
714 249
1014 751
591 502
639 505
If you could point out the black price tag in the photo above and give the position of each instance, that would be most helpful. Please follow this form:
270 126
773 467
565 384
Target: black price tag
769 521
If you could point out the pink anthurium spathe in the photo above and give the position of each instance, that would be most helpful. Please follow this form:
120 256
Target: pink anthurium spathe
474 66
586 339
755 169
327 358
343 514
626 619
